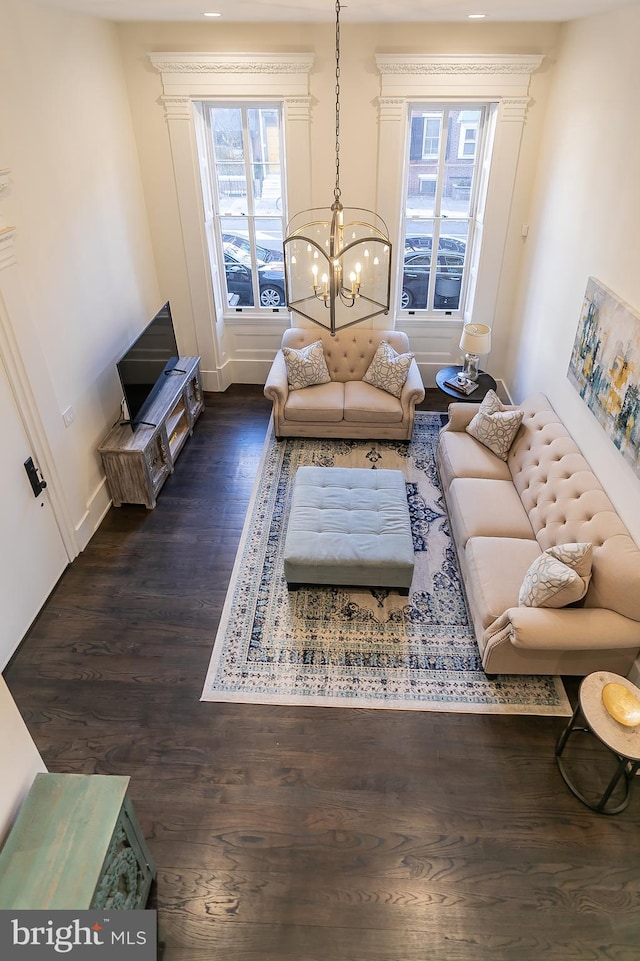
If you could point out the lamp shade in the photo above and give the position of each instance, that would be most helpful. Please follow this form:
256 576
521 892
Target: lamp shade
476 339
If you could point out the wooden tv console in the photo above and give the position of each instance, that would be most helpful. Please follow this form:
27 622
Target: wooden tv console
137 463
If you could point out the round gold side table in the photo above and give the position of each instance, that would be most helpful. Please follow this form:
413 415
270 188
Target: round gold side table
592 717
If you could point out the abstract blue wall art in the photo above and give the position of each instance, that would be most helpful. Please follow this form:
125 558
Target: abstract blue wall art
605 367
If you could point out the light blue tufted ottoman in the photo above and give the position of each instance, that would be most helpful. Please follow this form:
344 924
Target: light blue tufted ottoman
349 526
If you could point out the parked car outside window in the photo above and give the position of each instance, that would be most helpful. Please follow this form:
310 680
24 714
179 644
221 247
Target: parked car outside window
263 254
237 268
448 282
425 242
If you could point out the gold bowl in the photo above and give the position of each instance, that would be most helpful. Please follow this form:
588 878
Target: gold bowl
622 705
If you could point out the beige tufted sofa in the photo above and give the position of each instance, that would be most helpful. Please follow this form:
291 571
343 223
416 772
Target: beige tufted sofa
347 407
503 515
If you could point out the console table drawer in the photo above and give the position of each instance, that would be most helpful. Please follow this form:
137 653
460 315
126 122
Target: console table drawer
76 844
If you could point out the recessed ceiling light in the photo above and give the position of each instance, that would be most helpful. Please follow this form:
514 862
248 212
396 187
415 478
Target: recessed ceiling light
476 16
211 14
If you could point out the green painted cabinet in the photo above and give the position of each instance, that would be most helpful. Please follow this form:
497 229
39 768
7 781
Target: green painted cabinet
76 844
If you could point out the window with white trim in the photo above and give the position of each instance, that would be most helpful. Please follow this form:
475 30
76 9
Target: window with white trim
244 189
468 140
431 128
440 190
501 84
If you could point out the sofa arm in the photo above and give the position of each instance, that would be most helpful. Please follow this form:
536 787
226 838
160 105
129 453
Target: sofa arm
460 415
276 387
413 390
565 629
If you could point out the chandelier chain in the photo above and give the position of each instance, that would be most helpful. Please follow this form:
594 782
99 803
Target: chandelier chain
336 192
329 265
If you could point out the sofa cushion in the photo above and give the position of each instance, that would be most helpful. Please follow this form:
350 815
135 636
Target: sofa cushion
324 402
486 508
366 404
560 576
496 567
388 370
460 455
495 425
306 366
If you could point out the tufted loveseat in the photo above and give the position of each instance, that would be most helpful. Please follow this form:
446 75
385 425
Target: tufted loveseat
503 515
347 406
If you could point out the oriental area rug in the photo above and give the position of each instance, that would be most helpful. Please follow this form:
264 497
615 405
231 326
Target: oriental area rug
357 647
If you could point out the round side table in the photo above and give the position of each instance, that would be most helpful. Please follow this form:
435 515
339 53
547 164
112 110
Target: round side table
592 717
485 383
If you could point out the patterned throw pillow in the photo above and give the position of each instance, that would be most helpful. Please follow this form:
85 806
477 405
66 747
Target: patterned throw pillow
306 367
560 576
388 370
495 426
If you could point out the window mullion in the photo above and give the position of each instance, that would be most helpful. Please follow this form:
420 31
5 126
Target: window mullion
437 206
442 153
248 172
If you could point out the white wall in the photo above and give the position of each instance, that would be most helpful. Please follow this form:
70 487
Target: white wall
19 760
584 222
84 266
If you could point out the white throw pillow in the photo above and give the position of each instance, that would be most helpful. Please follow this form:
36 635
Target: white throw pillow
307 366
388 370
560 576
495 426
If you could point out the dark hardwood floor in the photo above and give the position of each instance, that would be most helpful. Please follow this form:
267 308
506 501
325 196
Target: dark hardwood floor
306 834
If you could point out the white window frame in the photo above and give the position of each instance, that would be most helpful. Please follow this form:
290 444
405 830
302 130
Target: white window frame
187 80
434 154
214 214
463 142
439 221
502 81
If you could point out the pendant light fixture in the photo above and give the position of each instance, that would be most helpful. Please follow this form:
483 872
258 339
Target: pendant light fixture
337 260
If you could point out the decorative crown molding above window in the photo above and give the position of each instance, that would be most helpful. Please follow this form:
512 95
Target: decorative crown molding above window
229 62
412 64
505 75
237 74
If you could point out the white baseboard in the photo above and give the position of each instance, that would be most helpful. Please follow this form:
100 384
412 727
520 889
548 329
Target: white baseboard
96 511
236 372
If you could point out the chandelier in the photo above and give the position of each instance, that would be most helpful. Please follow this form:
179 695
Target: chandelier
337 260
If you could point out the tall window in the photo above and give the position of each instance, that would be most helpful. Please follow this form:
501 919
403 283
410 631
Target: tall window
441 183
243 186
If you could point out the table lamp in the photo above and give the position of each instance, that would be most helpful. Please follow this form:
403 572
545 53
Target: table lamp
475 340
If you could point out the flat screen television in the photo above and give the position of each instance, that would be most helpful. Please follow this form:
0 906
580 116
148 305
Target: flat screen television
144 366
